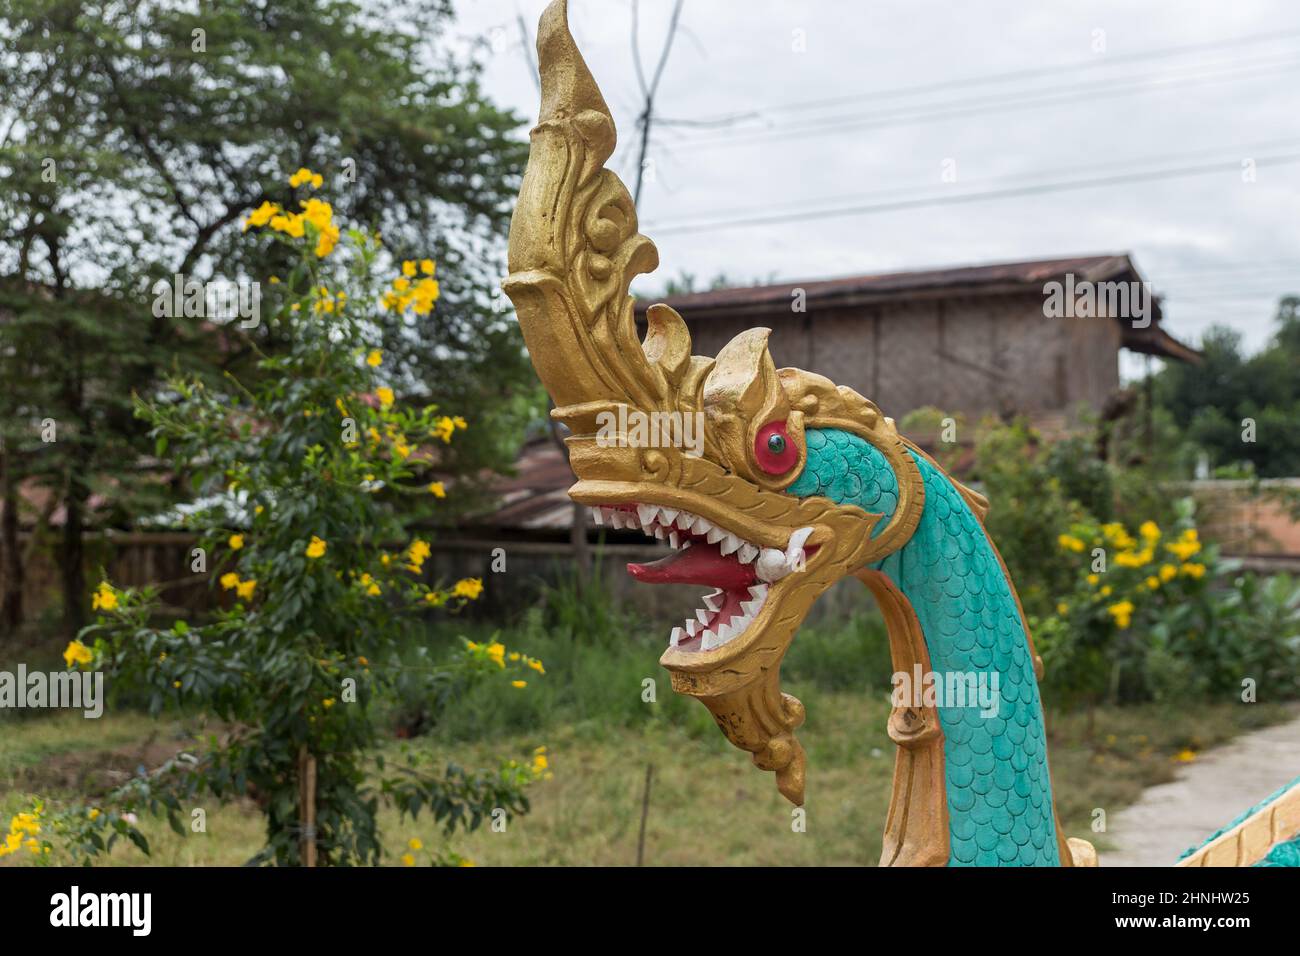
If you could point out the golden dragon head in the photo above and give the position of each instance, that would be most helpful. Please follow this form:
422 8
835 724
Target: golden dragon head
695 451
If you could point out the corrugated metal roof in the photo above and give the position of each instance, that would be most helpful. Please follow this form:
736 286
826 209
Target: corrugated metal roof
989 279
1030 273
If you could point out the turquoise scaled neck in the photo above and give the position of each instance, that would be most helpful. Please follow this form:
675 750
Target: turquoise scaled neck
999 791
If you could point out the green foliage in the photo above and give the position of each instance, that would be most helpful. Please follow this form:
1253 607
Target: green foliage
605 652
1026 485
1211 401
302 468
138 136
1145 621
1156 615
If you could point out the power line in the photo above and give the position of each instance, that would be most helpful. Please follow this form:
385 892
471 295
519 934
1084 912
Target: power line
1128 164
1031 190
977 106
994 78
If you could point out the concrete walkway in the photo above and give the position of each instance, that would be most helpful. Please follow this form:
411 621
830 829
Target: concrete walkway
1208 794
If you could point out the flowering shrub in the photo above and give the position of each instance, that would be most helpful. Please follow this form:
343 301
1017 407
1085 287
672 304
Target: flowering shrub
1145 619
24 833
302 467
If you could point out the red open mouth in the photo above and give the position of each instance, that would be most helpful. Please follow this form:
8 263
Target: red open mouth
740 572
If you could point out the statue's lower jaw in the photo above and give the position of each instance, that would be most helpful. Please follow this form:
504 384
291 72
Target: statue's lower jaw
756 716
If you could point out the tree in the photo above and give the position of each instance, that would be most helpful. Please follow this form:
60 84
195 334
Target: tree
1238 408
134 138
290 461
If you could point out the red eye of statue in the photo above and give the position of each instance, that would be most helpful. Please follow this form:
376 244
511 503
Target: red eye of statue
774 450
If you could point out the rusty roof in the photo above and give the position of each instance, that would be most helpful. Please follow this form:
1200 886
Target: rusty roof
1001 278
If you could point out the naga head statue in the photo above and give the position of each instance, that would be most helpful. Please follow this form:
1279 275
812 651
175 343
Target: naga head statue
770 485
738 501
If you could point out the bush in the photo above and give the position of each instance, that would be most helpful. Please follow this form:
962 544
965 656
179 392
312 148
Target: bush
299 469
1149 618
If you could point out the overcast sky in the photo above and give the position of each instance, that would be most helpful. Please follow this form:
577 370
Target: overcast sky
841 104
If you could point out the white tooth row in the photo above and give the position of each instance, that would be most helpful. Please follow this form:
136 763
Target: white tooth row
666 523
721 633
648 519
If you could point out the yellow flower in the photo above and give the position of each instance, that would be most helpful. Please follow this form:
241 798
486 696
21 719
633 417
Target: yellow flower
375 358
1184 549
1093 579
1135 559
1194 570
327 703
1069 542
373 590
465 861
77 652
443 429
1122 612
316 548
426 293
236 542
434 599
93 814
418 551
1062 608
408 860
437 490
536 665
519 683
1150 531
540 762
1186 755
326 241
401 283
385 395
1105 591
1153 582
1167 572
303 175
291 225
408 268
245 589
468 588
104 598
261 215
427 266
176 684
496 652
415 843
229 580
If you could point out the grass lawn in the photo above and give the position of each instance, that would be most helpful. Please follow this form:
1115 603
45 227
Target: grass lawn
708 804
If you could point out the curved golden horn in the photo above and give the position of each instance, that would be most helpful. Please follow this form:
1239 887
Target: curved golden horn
574 250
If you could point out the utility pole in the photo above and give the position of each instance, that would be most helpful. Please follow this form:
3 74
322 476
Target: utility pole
648 90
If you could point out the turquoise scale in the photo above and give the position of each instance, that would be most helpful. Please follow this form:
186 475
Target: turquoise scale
1285 853
999 791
